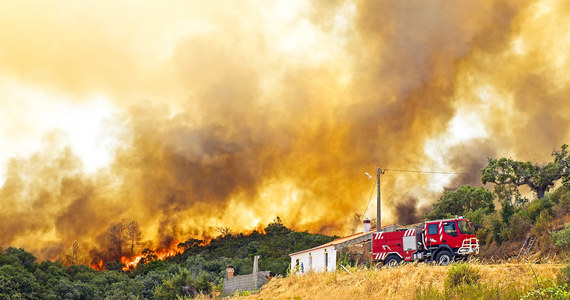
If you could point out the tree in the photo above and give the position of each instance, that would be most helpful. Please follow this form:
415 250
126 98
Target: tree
276 227
511 194
133 235
465 198
224 231
180 285
22 257
540 178
73 255
117 238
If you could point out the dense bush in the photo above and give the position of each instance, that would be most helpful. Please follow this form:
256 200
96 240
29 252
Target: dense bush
518 226
460 201
462 274
539 206
564 276
562 238
553 291
542 223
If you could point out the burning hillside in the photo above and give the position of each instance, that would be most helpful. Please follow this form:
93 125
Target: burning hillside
132 262
191 116
129 263
271 236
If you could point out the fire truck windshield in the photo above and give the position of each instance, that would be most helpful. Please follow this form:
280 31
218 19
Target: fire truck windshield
464 227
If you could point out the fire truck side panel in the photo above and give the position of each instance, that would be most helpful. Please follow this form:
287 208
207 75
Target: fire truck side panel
387 243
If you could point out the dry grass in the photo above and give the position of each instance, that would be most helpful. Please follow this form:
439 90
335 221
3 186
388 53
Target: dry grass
397 283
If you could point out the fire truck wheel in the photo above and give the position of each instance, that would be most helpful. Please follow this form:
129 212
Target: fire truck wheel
392 260
444 258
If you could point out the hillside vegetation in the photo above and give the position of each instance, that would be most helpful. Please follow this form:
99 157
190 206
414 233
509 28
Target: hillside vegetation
201 267
504 217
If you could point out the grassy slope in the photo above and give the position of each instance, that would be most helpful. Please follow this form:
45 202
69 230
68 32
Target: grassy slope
398 283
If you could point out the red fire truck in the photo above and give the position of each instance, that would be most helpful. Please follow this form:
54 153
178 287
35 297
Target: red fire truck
441 241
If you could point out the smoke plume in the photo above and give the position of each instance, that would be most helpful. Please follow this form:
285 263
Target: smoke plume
230 114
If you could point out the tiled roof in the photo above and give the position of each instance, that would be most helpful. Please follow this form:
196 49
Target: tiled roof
339 241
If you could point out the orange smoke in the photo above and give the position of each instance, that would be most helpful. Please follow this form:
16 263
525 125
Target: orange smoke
227 116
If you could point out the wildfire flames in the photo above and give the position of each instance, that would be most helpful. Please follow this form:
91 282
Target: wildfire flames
97 265
200 115
132 262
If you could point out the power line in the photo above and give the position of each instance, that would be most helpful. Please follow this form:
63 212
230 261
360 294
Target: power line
433 172
410 171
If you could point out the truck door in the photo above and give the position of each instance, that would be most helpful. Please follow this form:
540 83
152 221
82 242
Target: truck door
450 236
442 232
432 234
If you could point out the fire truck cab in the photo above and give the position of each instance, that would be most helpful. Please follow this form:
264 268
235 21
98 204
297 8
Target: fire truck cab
441 241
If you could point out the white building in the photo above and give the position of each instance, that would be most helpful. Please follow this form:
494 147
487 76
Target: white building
323 257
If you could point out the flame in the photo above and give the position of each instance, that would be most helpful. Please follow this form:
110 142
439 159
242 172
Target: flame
206 242
131 263
97 265
169 252
260 229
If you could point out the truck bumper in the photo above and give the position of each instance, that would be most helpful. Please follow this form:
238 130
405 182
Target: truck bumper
469 246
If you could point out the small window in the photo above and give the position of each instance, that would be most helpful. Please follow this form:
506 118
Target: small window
310 261
464 227
326 260
450 228
432 229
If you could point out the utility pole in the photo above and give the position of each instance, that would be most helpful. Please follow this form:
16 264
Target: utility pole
378 207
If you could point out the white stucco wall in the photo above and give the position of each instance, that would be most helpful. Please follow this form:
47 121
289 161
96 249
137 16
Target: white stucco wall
317 263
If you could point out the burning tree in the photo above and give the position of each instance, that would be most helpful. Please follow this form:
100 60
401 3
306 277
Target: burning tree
73 255
117 238
133 235
124 234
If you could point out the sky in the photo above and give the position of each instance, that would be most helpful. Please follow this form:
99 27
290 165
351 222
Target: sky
188 116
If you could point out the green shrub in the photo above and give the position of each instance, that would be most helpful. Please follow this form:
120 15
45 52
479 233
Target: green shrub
507 210
497 230
542 223
518 226
477 216
552 292
562 238
563 277
172 287
538 206
462 274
